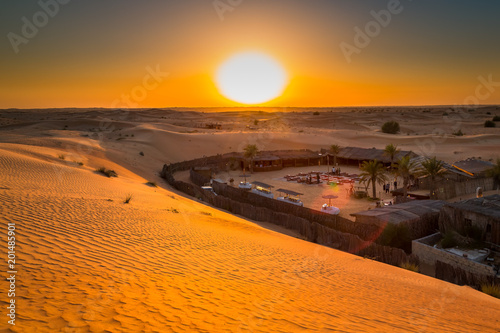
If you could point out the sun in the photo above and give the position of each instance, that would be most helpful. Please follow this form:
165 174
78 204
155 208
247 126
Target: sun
251 78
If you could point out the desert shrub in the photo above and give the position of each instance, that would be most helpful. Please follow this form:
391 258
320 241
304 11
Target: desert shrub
496 118
491 289
396 236
79 163
409 266
106 172
448 240
458 133
489 123
256 122
316 113
206 213
141 153
445 113
391 127
153 184
62 156
128 198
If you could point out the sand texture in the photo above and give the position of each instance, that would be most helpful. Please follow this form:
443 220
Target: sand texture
88 262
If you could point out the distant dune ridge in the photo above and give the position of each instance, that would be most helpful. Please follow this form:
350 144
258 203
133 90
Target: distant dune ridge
88 262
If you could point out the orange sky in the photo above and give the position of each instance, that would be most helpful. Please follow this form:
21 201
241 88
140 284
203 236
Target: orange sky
94 54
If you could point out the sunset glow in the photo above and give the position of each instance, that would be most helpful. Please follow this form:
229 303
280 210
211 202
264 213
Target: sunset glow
251 78
333 53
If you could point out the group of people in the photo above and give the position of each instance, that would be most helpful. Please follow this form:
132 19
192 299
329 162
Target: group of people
387 187
336 171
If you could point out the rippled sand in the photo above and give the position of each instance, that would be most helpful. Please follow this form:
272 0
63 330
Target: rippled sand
89 262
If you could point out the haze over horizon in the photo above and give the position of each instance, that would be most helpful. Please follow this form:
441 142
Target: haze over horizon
158 54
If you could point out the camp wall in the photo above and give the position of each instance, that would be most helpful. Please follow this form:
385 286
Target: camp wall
197 178
451 189
317 233
454 274
226 161
217 162
367 232
312 231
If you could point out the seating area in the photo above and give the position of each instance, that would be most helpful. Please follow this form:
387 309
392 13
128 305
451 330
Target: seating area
263 189
316 177
290 197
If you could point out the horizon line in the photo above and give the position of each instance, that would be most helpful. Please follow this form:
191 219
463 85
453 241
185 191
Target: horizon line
253 107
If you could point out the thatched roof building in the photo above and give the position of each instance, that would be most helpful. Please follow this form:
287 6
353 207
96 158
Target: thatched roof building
420 216
279 159
473 167
355 155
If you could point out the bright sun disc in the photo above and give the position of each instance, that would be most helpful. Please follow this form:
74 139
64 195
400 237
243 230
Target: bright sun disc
251 78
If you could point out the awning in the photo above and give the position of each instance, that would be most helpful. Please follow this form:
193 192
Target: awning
289 192
264 185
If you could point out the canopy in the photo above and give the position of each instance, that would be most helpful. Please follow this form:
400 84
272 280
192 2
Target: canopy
289 192
262 185
330 197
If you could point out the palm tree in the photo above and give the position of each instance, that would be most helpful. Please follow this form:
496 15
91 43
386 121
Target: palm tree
391 151
373 171
405 169
335 149
250 153
494 172
432 168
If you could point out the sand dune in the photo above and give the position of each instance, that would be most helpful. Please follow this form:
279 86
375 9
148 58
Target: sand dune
89 262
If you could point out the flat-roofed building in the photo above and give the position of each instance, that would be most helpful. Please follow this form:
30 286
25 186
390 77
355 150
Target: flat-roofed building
482 213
